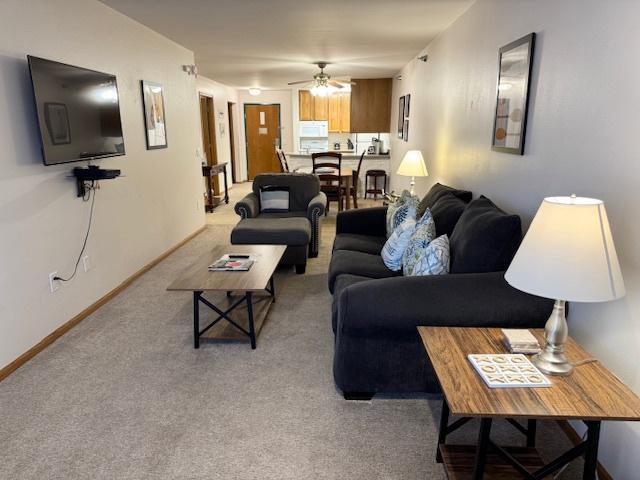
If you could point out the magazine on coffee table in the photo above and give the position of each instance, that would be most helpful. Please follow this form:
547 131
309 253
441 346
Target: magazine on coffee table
508 371
232 263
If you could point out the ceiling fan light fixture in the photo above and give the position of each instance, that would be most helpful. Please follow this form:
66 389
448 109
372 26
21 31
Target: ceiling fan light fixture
254 91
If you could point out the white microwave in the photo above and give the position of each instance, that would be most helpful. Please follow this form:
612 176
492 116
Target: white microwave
314 129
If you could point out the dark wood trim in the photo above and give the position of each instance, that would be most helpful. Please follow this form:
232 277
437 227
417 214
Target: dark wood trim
574 438
64 328
232 140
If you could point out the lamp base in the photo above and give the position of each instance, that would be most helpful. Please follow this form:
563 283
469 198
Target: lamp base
552 359
413 186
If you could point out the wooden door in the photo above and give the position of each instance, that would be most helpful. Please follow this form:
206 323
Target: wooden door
262 127
232 140
335 124
321 108
371 105
345 112
305 100
208 123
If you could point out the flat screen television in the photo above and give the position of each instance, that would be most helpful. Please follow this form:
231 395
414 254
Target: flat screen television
78 112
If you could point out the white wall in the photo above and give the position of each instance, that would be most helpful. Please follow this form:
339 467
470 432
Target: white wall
222 95
152 207
281 97
581 137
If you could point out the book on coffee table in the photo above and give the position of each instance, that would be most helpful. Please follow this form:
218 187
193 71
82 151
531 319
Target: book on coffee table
226 264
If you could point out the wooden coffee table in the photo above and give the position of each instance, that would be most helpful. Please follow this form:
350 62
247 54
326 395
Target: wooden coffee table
244 313
591 394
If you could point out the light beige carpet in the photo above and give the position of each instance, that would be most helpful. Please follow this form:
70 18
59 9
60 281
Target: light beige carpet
125 396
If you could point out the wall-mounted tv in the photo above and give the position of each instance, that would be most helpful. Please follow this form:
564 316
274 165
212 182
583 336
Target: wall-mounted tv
78 112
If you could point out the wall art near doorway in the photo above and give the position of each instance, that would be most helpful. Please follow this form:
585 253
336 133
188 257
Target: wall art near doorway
512 97
400 116
154 115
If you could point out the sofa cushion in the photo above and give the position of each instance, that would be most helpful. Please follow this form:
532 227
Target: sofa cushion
446 212
397 243
436 192
357 263
359 243
272 231
342 282
485 238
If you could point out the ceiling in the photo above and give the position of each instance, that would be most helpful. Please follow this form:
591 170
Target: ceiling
267 43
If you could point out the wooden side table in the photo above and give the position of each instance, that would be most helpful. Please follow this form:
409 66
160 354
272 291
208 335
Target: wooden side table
591 394
210 171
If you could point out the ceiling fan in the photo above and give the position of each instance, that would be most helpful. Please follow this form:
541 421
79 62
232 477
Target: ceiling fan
321 84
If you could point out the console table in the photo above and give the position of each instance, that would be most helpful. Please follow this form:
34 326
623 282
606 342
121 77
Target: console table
210 171
591 394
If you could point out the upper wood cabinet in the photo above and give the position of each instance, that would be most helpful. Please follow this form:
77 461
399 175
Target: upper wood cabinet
371 105
339 112
306 109
335 108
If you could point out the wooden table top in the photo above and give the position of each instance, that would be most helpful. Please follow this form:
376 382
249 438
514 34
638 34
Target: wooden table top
198 278
590 393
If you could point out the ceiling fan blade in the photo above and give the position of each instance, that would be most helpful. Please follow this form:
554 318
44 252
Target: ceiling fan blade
346 82
335 84
300 82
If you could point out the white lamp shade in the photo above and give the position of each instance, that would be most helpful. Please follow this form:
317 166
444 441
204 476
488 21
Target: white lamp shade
412 165
568 253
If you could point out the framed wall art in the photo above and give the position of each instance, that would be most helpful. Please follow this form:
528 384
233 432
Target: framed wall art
512 95
154 115
400 116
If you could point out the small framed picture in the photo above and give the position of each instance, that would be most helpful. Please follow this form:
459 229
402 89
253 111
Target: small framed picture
405 130
154 115
407 102
512 95
56 117
401 117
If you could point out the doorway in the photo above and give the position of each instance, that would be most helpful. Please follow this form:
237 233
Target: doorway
262 130
232 140
208 122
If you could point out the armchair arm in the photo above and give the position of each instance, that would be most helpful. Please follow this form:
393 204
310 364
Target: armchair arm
317 206
400 304
367 221
248 207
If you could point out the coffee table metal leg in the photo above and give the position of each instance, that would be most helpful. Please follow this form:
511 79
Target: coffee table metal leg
591 453
442 433
483 446
531 433
252 332
196 319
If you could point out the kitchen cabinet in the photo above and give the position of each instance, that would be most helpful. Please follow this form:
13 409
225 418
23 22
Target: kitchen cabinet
339 112
321 108
305 101
371 105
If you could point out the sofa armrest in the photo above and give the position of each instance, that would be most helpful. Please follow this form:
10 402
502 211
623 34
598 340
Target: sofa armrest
399 305
248 207
365 221
317 206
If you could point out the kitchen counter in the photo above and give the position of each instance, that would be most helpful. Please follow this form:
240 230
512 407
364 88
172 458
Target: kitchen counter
301 162
346 154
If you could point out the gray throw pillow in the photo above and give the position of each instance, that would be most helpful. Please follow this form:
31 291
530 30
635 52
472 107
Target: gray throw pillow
274 198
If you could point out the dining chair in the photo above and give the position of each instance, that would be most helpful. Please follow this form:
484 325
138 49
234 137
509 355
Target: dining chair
284 166
355 181
327 166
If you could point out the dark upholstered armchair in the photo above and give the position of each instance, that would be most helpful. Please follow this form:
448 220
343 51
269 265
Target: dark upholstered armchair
305 200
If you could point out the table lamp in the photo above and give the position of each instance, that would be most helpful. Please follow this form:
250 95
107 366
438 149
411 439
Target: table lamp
413 166
567 255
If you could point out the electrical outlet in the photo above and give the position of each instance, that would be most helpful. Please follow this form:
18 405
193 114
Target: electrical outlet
86 263
54 285
197 205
